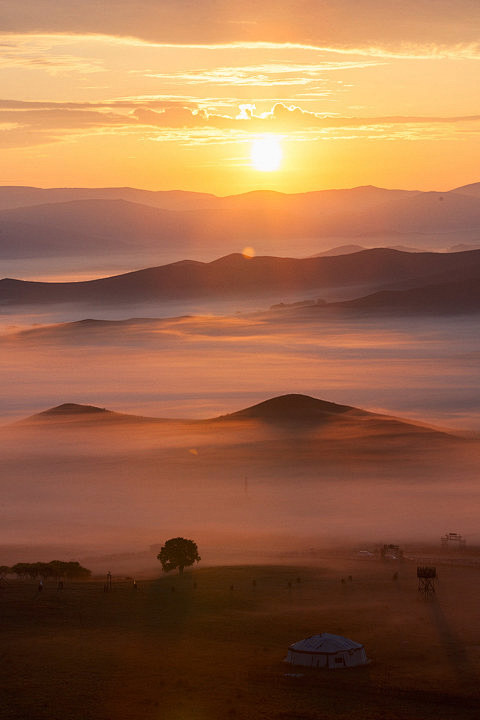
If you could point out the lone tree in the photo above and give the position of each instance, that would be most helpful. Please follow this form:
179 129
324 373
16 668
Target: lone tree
178 553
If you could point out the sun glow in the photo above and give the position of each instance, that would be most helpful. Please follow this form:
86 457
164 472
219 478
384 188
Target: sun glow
266 153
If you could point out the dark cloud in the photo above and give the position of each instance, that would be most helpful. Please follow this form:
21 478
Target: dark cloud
343 22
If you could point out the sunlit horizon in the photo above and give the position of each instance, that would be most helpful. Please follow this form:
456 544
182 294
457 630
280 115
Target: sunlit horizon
150 100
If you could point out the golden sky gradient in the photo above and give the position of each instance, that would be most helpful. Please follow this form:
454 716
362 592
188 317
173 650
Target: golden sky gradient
172 94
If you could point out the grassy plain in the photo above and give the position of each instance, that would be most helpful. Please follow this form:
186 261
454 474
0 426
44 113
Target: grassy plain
210 645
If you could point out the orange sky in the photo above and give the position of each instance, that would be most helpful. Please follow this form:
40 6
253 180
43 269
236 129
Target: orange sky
172 94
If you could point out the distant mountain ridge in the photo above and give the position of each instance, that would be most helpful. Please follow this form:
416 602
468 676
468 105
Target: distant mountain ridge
37 222
236 276
454 298
17 196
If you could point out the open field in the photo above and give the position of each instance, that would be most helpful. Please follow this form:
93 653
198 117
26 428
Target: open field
204 650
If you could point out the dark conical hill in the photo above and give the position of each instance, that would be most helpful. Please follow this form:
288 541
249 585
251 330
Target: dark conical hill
73 409
293 408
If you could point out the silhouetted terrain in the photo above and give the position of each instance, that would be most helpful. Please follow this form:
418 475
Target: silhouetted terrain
17 197
460 297
294 411
473 189
74 410
69 222
236 276
290 433
448 298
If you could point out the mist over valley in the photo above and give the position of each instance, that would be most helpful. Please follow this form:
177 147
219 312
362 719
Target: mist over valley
239 360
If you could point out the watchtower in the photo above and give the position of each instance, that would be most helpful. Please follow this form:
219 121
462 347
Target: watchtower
450 539
426 580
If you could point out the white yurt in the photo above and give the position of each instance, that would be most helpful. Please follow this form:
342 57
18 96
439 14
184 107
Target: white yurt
327 651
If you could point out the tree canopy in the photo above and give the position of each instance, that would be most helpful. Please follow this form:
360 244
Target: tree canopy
178 553
54 569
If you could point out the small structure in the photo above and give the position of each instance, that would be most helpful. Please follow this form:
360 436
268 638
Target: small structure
453 539
426 580
391 552
327 651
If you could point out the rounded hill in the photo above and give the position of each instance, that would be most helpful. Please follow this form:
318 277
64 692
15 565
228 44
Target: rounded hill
74 409
292 408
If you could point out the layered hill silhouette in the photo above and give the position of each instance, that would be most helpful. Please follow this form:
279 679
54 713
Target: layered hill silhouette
37 222
24 196
473 189
291 408
461 297
453 298
236 276
82 415
292 412
90 226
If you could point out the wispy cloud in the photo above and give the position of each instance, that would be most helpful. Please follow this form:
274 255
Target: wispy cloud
44 53
398 51
24 123
261 75
16 47
279 117
188 122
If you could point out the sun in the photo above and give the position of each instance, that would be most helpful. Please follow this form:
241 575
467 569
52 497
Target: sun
266 153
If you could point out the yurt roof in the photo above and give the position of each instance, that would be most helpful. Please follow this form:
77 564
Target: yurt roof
325 643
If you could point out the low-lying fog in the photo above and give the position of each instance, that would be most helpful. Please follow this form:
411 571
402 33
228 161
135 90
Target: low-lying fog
251 489
198 367
116 486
